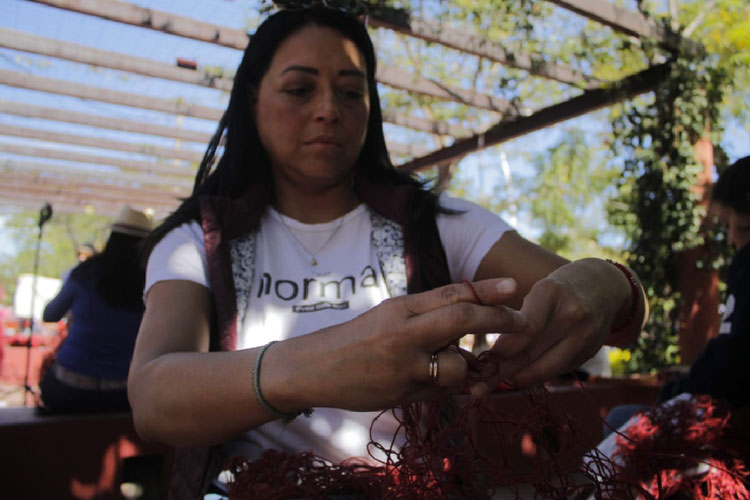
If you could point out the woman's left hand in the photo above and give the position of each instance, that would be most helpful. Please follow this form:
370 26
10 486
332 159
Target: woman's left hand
569 315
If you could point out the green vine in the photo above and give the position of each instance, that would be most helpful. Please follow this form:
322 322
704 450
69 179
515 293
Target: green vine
658 205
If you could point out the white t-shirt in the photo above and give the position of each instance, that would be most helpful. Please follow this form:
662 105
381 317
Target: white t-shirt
291 297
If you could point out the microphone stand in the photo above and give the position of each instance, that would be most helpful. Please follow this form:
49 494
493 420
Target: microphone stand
44 215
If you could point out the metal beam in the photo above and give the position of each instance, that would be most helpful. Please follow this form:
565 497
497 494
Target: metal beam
589 101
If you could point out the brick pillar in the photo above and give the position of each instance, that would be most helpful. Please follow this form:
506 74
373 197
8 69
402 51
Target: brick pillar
699 315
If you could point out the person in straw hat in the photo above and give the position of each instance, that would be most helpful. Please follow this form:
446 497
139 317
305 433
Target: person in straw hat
103 294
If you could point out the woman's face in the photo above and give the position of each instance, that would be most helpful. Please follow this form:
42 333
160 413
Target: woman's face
312 108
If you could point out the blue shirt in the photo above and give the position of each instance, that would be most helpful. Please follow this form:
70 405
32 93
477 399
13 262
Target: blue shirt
101 339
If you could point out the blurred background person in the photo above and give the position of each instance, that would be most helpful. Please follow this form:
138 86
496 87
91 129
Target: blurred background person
103 293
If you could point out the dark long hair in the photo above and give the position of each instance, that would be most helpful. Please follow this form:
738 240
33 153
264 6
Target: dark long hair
116 273
245 163
732 189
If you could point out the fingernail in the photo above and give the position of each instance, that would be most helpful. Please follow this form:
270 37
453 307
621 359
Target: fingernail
506 285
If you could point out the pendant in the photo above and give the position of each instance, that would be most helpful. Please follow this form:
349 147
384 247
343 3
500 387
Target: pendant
313 262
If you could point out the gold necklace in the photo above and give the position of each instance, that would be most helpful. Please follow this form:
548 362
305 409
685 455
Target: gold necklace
313 260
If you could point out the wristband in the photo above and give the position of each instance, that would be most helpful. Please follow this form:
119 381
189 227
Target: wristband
635 297
285 417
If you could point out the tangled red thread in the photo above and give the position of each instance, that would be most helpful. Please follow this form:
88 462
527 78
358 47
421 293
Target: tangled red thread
694 448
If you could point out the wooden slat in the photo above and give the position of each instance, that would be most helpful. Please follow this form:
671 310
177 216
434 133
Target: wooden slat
101 143
585 103
406 149
393 77
83 192
144 183
21 200
416 123
482 47
626 21
154 19
31 111
30 198
19 40
63 87
152 168
35 180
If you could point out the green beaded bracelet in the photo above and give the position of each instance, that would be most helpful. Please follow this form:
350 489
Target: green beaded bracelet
285 417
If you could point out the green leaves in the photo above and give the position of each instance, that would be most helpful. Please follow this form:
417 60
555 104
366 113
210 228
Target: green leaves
658 203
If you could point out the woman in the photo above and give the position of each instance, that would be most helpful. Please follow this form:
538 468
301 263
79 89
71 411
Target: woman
104 296
299 237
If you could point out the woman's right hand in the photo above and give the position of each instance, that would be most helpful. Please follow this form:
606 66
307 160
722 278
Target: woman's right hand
381 358
185 396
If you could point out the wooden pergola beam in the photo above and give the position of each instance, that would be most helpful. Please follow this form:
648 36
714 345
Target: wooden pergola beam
29 110
29 197
101 143
63 87
423 125
406 149
65 174
142 17
31 201
585 103
32 111
43 189
89 92
403 80
35 44
627 21
168 172
18 40
481 47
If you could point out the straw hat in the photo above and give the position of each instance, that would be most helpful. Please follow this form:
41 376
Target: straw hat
133 222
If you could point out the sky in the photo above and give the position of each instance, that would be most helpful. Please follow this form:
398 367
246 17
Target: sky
482 172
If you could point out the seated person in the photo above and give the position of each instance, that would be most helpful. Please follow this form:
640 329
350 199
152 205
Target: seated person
721 371
103 293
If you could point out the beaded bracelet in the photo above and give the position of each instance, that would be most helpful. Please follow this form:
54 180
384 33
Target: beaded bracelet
634 301
285 417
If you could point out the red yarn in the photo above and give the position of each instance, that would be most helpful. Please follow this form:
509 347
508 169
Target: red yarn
681 448
440 459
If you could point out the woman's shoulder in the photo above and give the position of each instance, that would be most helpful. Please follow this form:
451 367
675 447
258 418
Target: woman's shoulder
190 231
465 210
85 271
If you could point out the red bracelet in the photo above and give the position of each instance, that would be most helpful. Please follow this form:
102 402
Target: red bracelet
635 297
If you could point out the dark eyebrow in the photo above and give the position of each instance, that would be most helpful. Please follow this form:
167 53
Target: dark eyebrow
313 71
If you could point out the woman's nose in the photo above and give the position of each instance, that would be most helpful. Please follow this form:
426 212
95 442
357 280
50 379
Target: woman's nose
327 107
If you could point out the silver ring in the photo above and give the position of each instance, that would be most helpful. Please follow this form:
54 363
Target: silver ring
434 368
